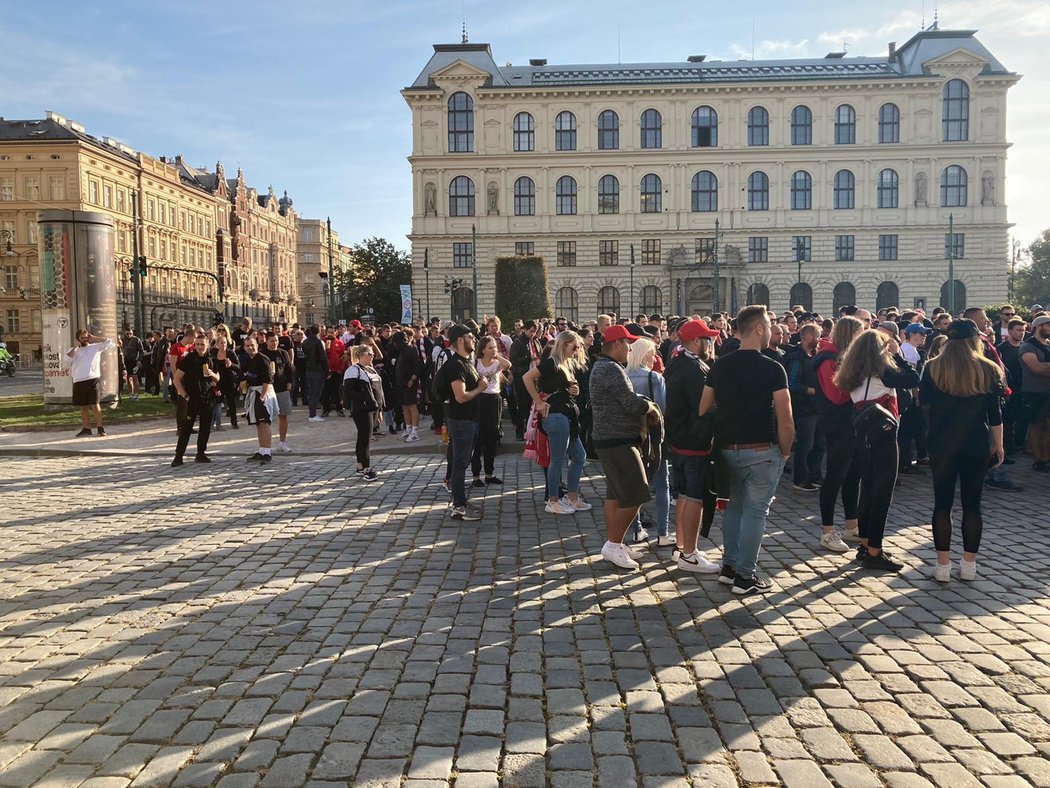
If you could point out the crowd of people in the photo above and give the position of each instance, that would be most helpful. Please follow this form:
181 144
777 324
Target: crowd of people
695 414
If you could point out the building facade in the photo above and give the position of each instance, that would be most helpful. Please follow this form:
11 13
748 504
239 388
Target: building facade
315 245
650 187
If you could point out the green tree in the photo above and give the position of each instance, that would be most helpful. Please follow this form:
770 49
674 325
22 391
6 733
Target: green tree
1032 283
373 281
521 288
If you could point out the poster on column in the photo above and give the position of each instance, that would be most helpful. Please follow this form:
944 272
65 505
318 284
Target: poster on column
406 303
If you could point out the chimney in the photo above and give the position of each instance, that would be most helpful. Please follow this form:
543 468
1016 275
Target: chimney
893 49
696 58
538 61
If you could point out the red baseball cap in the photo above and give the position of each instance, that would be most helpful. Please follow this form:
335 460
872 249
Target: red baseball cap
356 324
613 333
695 329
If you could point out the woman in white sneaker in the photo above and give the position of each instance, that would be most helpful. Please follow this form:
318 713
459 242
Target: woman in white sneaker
363 389
651 385
554 389
490 365
961 391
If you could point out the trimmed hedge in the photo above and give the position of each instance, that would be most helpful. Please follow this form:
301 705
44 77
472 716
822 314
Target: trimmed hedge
521 288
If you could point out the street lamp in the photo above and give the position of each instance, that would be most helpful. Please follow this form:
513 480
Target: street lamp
426 273
950 253
7 236
630 315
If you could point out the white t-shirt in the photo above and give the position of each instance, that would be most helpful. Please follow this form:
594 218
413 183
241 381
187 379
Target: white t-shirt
911 354
871 390
492 369
86 362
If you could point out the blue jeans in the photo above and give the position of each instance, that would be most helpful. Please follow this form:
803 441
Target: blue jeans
754 475
462 435
661 484
809 450
556 425
314 387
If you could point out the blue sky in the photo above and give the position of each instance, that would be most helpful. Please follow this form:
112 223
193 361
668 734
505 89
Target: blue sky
305 96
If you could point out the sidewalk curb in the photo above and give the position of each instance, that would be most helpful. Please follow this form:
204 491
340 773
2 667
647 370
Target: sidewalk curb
438 450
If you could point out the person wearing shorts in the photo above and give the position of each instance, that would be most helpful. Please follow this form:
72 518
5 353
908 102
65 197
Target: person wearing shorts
283 369
260 403
85 367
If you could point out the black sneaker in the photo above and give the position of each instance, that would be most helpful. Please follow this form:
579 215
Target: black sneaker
1004 486
882 562
463 513
862 553
806 487
202 458
477 483
493 480
176 462
102 432
257 457
727 576
86 433
756 584
369 475
1041 467
266 458
341 414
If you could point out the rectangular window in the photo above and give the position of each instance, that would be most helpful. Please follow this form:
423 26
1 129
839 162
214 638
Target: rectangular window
758 250
152 247
120 200
57 187
151 208
11 277
7 189
14 321
9 234
954 245
32 186
608 252
107 196
650 251
703 250
163 249
844 248
36 320
566 253
122 241
93 192
887 247
461 256
524 248
31 231
163 213
802 248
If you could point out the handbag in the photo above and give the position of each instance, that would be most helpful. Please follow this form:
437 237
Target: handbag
873 420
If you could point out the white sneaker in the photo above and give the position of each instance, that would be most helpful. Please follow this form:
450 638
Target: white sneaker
579 504
617 554
642 536
317 419
557 507
697 562
832 541
967 570
942 573
637 555
284 447
665 541
412 437
851 534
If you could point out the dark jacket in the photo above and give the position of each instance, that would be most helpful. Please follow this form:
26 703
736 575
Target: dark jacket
799 366
229 376
834 416
616 407
315 356
685 378
520 357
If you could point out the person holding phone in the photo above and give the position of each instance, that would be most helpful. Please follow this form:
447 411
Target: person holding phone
961 390
194 379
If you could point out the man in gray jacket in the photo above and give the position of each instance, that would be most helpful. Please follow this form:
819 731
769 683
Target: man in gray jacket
616 432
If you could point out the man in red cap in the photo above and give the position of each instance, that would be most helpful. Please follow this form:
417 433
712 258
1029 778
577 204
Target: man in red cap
685 377
616 431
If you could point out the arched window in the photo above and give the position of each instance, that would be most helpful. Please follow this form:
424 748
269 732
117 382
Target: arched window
608 130
705 191
953 187
801 293
608 194
701 300
652 129
565 131
888 190
705 128
651 194
801 191
461 196
524 197
955 111
567 304
845 294
886 295
524 132
460 123
845 125
462 302
889 123
652 299
845 189
758 294
608 301
960 297
801 125
758 191
758 126
565 194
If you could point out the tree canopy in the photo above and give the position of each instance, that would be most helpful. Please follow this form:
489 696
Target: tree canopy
372 282
1032 284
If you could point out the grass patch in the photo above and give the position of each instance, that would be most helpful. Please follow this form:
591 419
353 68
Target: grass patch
28 412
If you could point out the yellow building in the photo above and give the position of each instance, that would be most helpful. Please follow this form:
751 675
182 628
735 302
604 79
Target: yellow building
314 246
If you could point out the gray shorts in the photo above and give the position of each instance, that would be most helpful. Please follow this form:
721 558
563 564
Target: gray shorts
284 403
625 479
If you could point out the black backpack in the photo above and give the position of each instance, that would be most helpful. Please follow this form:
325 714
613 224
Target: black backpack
440 388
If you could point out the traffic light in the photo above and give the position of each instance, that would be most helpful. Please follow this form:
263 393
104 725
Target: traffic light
142 265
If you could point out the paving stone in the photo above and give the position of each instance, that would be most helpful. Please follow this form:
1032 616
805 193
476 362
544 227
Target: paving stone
616 771
800 774
478 753
657 758
571 756
527 737
523 770
431 763
754 767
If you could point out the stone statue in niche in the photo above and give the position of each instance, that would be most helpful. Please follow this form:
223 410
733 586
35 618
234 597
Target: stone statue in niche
493 198
430 199
920 190
988 189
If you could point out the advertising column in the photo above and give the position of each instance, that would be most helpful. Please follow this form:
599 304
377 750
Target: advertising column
77 291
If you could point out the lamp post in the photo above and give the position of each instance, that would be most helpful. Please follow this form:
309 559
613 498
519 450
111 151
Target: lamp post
631 310
950 253
1015 248
474 271
331 277
800 258
717 284
426 273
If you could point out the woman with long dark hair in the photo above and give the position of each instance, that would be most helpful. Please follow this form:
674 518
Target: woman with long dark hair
961 391
871 372
228 365
491 366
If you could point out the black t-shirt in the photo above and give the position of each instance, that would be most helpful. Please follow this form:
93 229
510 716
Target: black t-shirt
257 370
555 384
280 368
744 382
284 342
459 368
238 335
959 425
193 365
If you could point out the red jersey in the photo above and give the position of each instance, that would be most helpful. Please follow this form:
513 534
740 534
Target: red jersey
336 349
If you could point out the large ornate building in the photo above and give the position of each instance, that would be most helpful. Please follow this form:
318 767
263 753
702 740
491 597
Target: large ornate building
315 245
652 187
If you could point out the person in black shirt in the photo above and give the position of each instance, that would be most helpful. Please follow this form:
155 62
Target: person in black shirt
283 374
753 434
194 380
260 403
242 331
460 385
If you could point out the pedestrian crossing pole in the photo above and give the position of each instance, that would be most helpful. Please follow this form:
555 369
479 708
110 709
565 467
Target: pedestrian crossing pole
474 271
950 249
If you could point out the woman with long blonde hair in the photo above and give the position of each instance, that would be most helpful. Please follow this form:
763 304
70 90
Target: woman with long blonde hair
554 388
871 371
961 390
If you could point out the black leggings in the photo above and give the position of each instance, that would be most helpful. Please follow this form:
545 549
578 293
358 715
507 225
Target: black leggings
878 475
970 470
843 474
363 422
488 433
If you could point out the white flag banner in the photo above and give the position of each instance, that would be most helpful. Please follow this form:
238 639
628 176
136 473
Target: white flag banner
406 303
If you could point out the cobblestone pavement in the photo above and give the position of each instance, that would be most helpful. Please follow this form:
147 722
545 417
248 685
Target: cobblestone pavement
281 626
